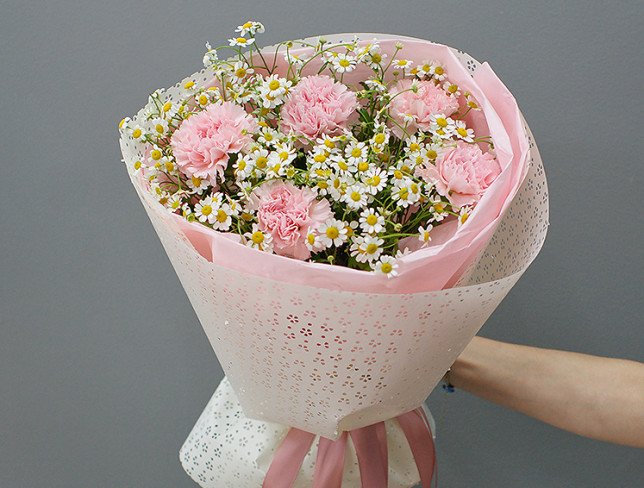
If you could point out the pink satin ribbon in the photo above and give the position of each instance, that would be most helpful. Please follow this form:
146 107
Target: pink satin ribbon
370 444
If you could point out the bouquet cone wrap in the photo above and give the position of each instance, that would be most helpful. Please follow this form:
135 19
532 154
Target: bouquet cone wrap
328 349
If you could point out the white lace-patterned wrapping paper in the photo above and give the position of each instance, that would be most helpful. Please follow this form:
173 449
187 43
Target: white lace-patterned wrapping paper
326 361
226 449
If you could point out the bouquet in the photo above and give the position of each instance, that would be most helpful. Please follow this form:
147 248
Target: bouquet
344 214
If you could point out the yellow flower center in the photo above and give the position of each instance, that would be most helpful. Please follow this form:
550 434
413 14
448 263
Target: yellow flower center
343 165
329 143
167 106
137 165
319 158
136 133
241 165
371 248
372 219
332 232
221 216
386 268
464 217
247 25
268 136
431 154
241 40
206 210
356 152
344 63
405 169
203 99
257 237
374 180
356 196
439 207
439 70
274 85
261 162
376 57
441 122
413 147
121 123
240 72
452 88
276 168
398 174
284 155
196 182
159 128
379 139
169 166
323 185
403 193
155 154
311 239
363 166
462 131
188 84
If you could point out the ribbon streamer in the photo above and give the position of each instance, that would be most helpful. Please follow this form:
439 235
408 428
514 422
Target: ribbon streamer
370 443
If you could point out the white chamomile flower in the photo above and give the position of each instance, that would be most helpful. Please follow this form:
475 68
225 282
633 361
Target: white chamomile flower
241 41
258 239
341 165
356 197
333 232
275 86
329 142
138 166
136 131
294 59
380 139
356 152
260 158
464 214
405 65
438 209
197 185
451 89
442 126
313 241
222 217
243 166
285 153
205 210
189 87
251 27
268 136
405 192
174 202
423 234
155 154
371 221
158 126
366 248
125 123
375 180
386 265
241 70
372 55
376 85
437 71
424 69
210 58
462 132
343 63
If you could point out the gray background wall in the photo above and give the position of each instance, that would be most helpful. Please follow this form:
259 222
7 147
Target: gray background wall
103 365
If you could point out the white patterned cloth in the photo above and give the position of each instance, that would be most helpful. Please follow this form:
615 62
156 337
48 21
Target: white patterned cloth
226 449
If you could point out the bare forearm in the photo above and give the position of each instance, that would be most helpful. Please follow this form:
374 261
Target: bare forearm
592 396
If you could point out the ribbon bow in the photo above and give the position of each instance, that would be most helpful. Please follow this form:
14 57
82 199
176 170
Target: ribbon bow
370 444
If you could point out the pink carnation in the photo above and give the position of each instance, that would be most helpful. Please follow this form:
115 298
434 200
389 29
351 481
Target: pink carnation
427 101
317 105
462 173
203 143
287 212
